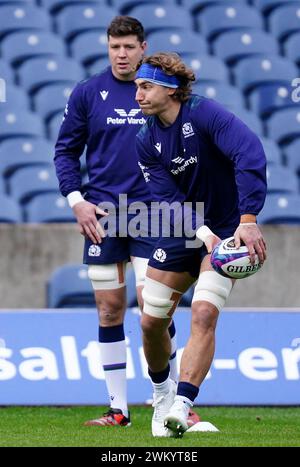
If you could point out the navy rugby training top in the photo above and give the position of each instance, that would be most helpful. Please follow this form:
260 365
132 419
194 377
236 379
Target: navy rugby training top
207 155
102 113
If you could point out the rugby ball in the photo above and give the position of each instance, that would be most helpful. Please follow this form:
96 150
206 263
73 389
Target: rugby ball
231 262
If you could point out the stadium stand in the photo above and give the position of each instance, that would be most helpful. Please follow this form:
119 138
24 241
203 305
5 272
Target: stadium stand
194 6
16 97
250 119
10 211
266 6
53 126
20 46
97 66
159 17
284 21
53 6
17 123
291 48
272 151
57 209
6 72
124 6
281 180
22 17
291 155
267 99
217 19
89 47
181 41
234 45
16 153
281 209
28 182
208 69
284 126
51 99
227 95
69 286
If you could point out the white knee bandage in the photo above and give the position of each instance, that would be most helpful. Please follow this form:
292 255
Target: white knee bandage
107 276
213 288
160 300
140 267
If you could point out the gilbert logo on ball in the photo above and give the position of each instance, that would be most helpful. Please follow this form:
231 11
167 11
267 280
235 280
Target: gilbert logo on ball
231 262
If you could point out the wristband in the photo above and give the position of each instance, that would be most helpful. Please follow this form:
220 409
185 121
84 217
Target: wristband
248 223
74 198
203 232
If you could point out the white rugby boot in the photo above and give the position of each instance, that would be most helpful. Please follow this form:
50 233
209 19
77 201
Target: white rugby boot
176 419
162 404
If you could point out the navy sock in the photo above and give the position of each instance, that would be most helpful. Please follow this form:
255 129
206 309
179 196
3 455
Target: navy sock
187 390
160 376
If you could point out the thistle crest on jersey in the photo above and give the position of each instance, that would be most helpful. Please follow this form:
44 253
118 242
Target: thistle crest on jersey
231 262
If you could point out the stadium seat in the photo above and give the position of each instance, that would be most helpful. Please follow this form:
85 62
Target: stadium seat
54 6
2 186
267 99
186 299
53 126
21 17
97 66
292 156
125 6
49 208
284 126
291 47
19 123
28 182
284 21
181 41
280 209
131 287
38 72
266 6
89 46
194 6
70 287
272 151
23 45
16 98
234 45
254 71
158 17
217 19
250 119
10 211
51 99
76 19
6 72
281 180
227 95
208 69
24 152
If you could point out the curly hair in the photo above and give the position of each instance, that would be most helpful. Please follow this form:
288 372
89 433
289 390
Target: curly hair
172 64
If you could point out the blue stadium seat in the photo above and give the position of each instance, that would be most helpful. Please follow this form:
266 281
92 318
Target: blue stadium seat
89 46
125 6
284 125
291 47
21 17
254 71
23 45
281 180
266 6
272 151
284 21
186 299
181 41
2 186
196 5
267 99
6 73
234 45
19 123
49 208
280 209
69 287
131 287
98 66
76 19
51 99
38 72
28 182
24 152
54 6
207 68
221 18
250 119
16 98
158 17
227 95
10 211
292 156
53 126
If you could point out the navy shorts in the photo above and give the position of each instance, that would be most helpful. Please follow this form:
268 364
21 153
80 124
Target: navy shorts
172 254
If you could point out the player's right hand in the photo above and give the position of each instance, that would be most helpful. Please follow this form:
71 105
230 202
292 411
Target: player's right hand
89 226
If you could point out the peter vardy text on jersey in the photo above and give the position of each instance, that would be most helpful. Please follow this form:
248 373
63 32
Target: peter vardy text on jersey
123 121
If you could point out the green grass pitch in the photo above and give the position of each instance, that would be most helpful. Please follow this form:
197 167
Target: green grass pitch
63 426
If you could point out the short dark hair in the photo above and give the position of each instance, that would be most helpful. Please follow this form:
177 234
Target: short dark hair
125 26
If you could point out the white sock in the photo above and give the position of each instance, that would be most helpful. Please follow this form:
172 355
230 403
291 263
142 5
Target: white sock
173 360
161 388
113 356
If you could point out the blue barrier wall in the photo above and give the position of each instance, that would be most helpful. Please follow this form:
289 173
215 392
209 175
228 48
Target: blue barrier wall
52 357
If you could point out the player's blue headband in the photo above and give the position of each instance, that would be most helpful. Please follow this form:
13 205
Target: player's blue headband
156 75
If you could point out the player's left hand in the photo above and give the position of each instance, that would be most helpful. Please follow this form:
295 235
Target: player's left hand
251 236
